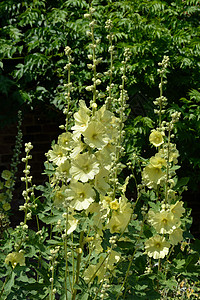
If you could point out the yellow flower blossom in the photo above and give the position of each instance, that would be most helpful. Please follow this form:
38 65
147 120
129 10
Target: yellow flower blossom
60 196
82 195
157 247
65 140
157 161
163 221
114 205
176 236
81 121
62 171
109 121
173 153
101 181
156 138
9 183
100 268
177 209
84 167
95 135
152 175
118 222
15 258
57 155
104 155
72 224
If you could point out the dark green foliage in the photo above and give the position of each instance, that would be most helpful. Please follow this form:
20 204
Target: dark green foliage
34 34
188 132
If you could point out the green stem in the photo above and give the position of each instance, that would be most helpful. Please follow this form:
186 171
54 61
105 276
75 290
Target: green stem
94 70
52 276
68 97
130 263
100 286
78 264
160 104
167 170
120 132
2 290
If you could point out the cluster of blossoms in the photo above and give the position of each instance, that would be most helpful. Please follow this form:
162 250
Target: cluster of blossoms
166 224
86 161
159 175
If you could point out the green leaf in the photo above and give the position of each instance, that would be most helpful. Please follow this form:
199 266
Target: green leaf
10 283
181 182
124 244
191 260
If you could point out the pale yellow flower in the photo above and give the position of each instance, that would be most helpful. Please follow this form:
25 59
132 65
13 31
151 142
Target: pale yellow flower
57 155
89 273
118 222
176 236
84 167
157 161
82 195
62 171
95 135
81 121
114 205
72 224
101 182
125 206
157 247
78 147
15 258
109 121
96 244
163 221
105 202
60 196
152 175
156 138
104 116
177 209
65 140
104 155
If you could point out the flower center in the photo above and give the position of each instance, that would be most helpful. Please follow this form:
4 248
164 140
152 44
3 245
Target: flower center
164 221
157 245
82 195
94 136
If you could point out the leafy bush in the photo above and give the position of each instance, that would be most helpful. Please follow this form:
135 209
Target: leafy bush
35 33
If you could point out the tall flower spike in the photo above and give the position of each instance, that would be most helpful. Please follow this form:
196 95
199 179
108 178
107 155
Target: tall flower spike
110 36
161 101
68 86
